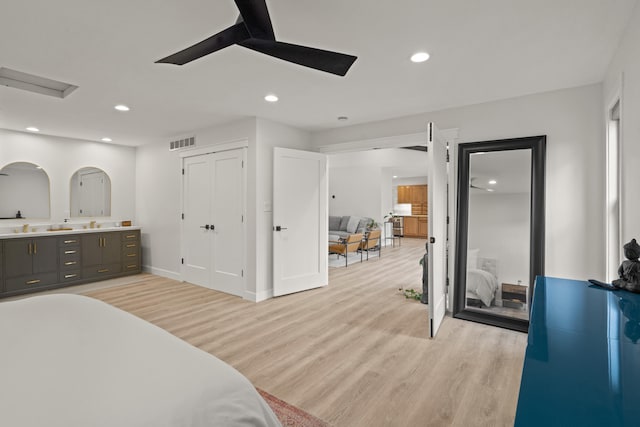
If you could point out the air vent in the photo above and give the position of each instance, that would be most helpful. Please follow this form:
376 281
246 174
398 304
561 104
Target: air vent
179 144
37 84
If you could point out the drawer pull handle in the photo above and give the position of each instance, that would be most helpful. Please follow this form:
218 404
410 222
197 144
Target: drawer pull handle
131 245
70 263
132 266
130 236
103 270
66 242
69 252
32 282
69 276
132 255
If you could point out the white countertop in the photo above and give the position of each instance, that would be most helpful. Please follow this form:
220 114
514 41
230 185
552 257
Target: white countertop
42 231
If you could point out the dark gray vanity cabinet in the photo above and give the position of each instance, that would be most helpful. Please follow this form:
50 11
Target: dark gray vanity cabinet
131 257
30 263
101 254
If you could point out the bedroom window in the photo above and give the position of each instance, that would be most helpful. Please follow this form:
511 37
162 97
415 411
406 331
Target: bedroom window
614 248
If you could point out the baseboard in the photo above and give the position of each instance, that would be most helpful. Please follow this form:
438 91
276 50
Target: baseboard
161 272
260 296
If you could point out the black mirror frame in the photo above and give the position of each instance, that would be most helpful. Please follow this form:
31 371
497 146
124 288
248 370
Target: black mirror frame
537 144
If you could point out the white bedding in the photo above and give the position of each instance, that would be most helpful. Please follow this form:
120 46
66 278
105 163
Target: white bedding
69 360
481 285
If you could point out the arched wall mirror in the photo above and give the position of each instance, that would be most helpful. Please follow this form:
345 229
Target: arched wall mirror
90 193
500 230
24 192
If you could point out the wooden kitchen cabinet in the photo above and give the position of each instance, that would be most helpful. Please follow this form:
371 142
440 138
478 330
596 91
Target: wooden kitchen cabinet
423 229
410 226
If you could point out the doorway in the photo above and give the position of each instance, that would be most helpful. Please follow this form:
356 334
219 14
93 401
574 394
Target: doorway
213 226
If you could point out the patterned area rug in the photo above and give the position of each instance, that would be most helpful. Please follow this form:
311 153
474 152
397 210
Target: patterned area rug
289 415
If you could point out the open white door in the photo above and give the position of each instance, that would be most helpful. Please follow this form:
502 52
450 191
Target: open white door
437 211
300 228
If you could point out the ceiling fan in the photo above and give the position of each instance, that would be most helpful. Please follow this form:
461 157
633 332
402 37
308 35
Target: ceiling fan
253 30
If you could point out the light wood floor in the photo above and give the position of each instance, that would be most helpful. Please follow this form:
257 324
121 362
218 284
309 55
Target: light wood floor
354 353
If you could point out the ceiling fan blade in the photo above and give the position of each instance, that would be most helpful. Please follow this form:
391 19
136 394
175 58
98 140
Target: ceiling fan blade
232 35
256 17
323 60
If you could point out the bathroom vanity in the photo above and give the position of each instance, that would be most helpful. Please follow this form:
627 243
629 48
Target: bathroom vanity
36 261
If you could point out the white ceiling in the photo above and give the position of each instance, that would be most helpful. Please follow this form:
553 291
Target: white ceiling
480 51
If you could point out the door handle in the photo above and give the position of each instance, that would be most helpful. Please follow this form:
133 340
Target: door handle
205 226
279 228
432 240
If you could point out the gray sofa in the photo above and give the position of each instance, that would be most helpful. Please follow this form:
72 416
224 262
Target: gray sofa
342 226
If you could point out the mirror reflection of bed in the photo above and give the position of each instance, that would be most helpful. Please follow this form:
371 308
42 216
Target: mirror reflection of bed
498 234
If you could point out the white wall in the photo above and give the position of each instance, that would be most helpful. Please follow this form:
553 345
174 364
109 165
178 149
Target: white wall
159 204
499 228
573 122
269 135
363 181
60 158
627 62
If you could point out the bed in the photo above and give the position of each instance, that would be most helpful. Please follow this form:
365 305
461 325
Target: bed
482 281
70 360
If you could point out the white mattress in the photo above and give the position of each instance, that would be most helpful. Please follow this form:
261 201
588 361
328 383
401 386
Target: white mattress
69 360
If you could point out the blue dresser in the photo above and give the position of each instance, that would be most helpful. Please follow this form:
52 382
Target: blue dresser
582 365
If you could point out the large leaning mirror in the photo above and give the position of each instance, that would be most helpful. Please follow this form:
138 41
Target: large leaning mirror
90 193
24 192
500 230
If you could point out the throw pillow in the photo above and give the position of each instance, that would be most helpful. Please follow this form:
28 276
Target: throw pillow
352 225
334 223
343 223
362 225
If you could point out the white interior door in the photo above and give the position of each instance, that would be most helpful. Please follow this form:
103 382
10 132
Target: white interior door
213 225
196 239
300 215
227 213
92 194
437 211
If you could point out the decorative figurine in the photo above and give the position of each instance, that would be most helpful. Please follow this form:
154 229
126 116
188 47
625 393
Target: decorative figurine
629 270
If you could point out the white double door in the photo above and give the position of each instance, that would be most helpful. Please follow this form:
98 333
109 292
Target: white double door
214 221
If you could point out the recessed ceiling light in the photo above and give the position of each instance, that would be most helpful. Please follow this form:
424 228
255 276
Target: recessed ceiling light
105 139
490 190
121 107
395 176
343 118
271 98
493 182
33 129
419 57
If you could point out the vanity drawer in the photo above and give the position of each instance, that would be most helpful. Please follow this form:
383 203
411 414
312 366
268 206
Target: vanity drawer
101 270
30 282
70 276
67 241
131 265
130 246
128 236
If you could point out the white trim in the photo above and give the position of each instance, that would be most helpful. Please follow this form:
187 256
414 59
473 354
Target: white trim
215 148
257 297
396 141
162 272
615 97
